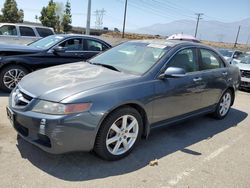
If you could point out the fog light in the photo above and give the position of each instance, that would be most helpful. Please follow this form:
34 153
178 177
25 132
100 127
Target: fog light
42 126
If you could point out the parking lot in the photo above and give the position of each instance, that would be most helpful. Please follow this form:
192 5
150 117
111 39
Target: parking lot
198 153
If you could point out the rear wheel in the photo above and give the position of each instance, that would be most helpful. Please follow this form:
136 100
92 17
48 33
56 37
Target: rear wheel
10 76
118 134
224 105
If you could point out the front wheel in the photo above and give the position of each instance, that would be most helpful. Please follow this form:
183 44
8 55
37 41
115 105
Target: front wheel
10 76
224 105
118 134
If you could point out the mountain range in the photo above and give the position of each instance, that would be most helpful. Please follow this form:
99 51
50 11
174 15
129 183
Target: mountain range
208 30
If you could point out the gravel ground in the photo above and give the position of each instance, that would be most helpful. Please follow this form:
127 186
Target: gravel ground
202 152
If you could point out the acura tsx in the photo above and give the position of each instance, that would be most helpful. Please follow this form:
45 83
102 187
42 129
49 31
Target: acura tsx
113 100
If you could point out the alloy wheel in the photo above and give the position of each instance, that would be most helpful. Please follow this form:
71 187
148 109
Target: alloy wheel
225 104
12 77
122 135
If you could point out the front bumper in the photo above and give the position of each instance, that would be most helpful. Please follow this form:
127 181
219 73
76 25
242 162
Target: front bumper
56 134
245 82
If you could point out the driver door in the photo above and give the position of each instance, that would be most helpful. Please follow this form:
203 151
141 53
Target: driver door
73 48
179 96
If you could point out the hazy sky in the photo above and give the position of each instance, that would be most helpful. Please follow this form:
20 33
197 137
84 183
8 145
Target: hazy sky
145 12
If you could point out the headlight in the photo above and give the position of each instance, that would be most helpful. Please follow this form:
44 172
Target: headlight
47 107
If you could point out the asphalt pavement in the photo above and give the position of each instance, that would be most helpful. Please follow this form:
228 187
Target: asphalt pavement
201 152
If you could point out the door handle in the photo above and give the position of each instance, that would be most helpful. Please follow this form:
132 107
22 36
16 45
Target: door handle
224 73
197 79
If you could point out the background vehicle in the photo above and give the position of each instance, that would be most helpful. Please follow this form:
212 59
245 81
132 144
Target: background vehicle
18 60
244 66
22 34
231 55
183 37
108 103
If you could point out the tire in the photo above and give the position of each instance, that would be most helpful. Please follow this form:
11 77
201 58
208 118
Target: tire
224 103
112 128
10 76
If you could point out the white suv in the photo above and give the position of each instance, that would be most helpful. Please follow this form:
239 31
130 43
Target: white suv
22 34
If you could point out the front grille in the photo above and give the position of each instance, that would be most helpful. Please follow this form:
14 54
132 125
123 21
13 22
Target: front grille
20 99
245 73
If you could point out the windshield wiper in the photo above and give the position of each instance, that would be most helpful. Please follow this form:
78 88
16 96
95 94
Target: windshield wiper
105 65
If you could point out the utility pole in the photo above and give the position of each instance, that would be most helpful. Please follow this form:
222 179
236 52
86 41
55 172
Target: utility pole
237 36
197 23
88 18
248 39
124 21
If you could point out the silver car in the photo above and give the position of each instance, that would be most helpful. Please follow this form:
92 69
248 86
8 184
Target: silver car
244 66
22 34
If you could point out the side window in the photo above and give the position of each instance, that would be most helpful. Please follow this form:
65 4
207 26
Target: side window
73 44
94 45
26 31
185 59
43 32
8 30
209 60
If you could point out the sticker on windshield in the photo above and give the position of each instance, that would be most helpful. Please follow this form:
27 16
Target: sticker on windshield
161 46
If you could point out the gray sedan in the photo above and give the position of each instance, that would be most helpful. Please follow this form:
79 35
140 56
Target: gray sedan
110 102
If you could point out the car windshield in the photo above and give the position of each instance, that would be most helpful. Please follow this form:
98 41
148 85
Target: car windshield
133 57
226 53
245 60
46 42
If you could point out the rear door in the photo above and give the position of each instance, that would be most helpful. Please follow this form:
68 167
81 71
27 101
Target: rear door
215 76
27 35
179 96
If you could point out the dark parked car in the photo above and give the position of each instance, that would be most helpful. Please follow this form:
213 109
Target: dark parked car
109 103
18 60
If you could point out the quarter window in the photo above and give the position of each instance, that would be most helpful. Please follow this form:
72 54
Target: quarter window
209 60
73 44
185 59
8 30
27 31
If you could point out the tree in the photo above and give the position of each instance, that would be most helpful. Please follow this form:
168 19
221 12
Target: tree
48 16
10 12
67 18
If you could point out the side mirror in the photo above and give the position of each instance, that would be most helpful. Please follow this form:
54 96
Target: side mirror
173 72
59 49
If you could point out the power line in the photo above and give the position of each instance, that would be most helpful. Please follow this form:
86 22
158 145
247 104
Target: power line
197 23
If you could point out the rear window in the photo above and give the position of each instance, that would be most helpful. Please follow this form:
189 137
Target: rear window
27 31
44 32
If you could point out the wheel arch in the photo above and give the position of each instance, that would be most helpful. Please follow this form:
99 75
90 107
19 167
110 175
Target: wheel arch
15 62
141 110
233 93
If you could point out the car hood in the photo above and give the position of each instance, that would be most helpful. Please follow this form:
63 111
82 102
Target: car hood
243 66
18 48
59 82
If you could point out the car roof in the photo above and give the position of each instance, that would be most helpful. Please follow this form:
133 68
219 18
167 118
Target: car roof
26 25
76 35
170 43
81 35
